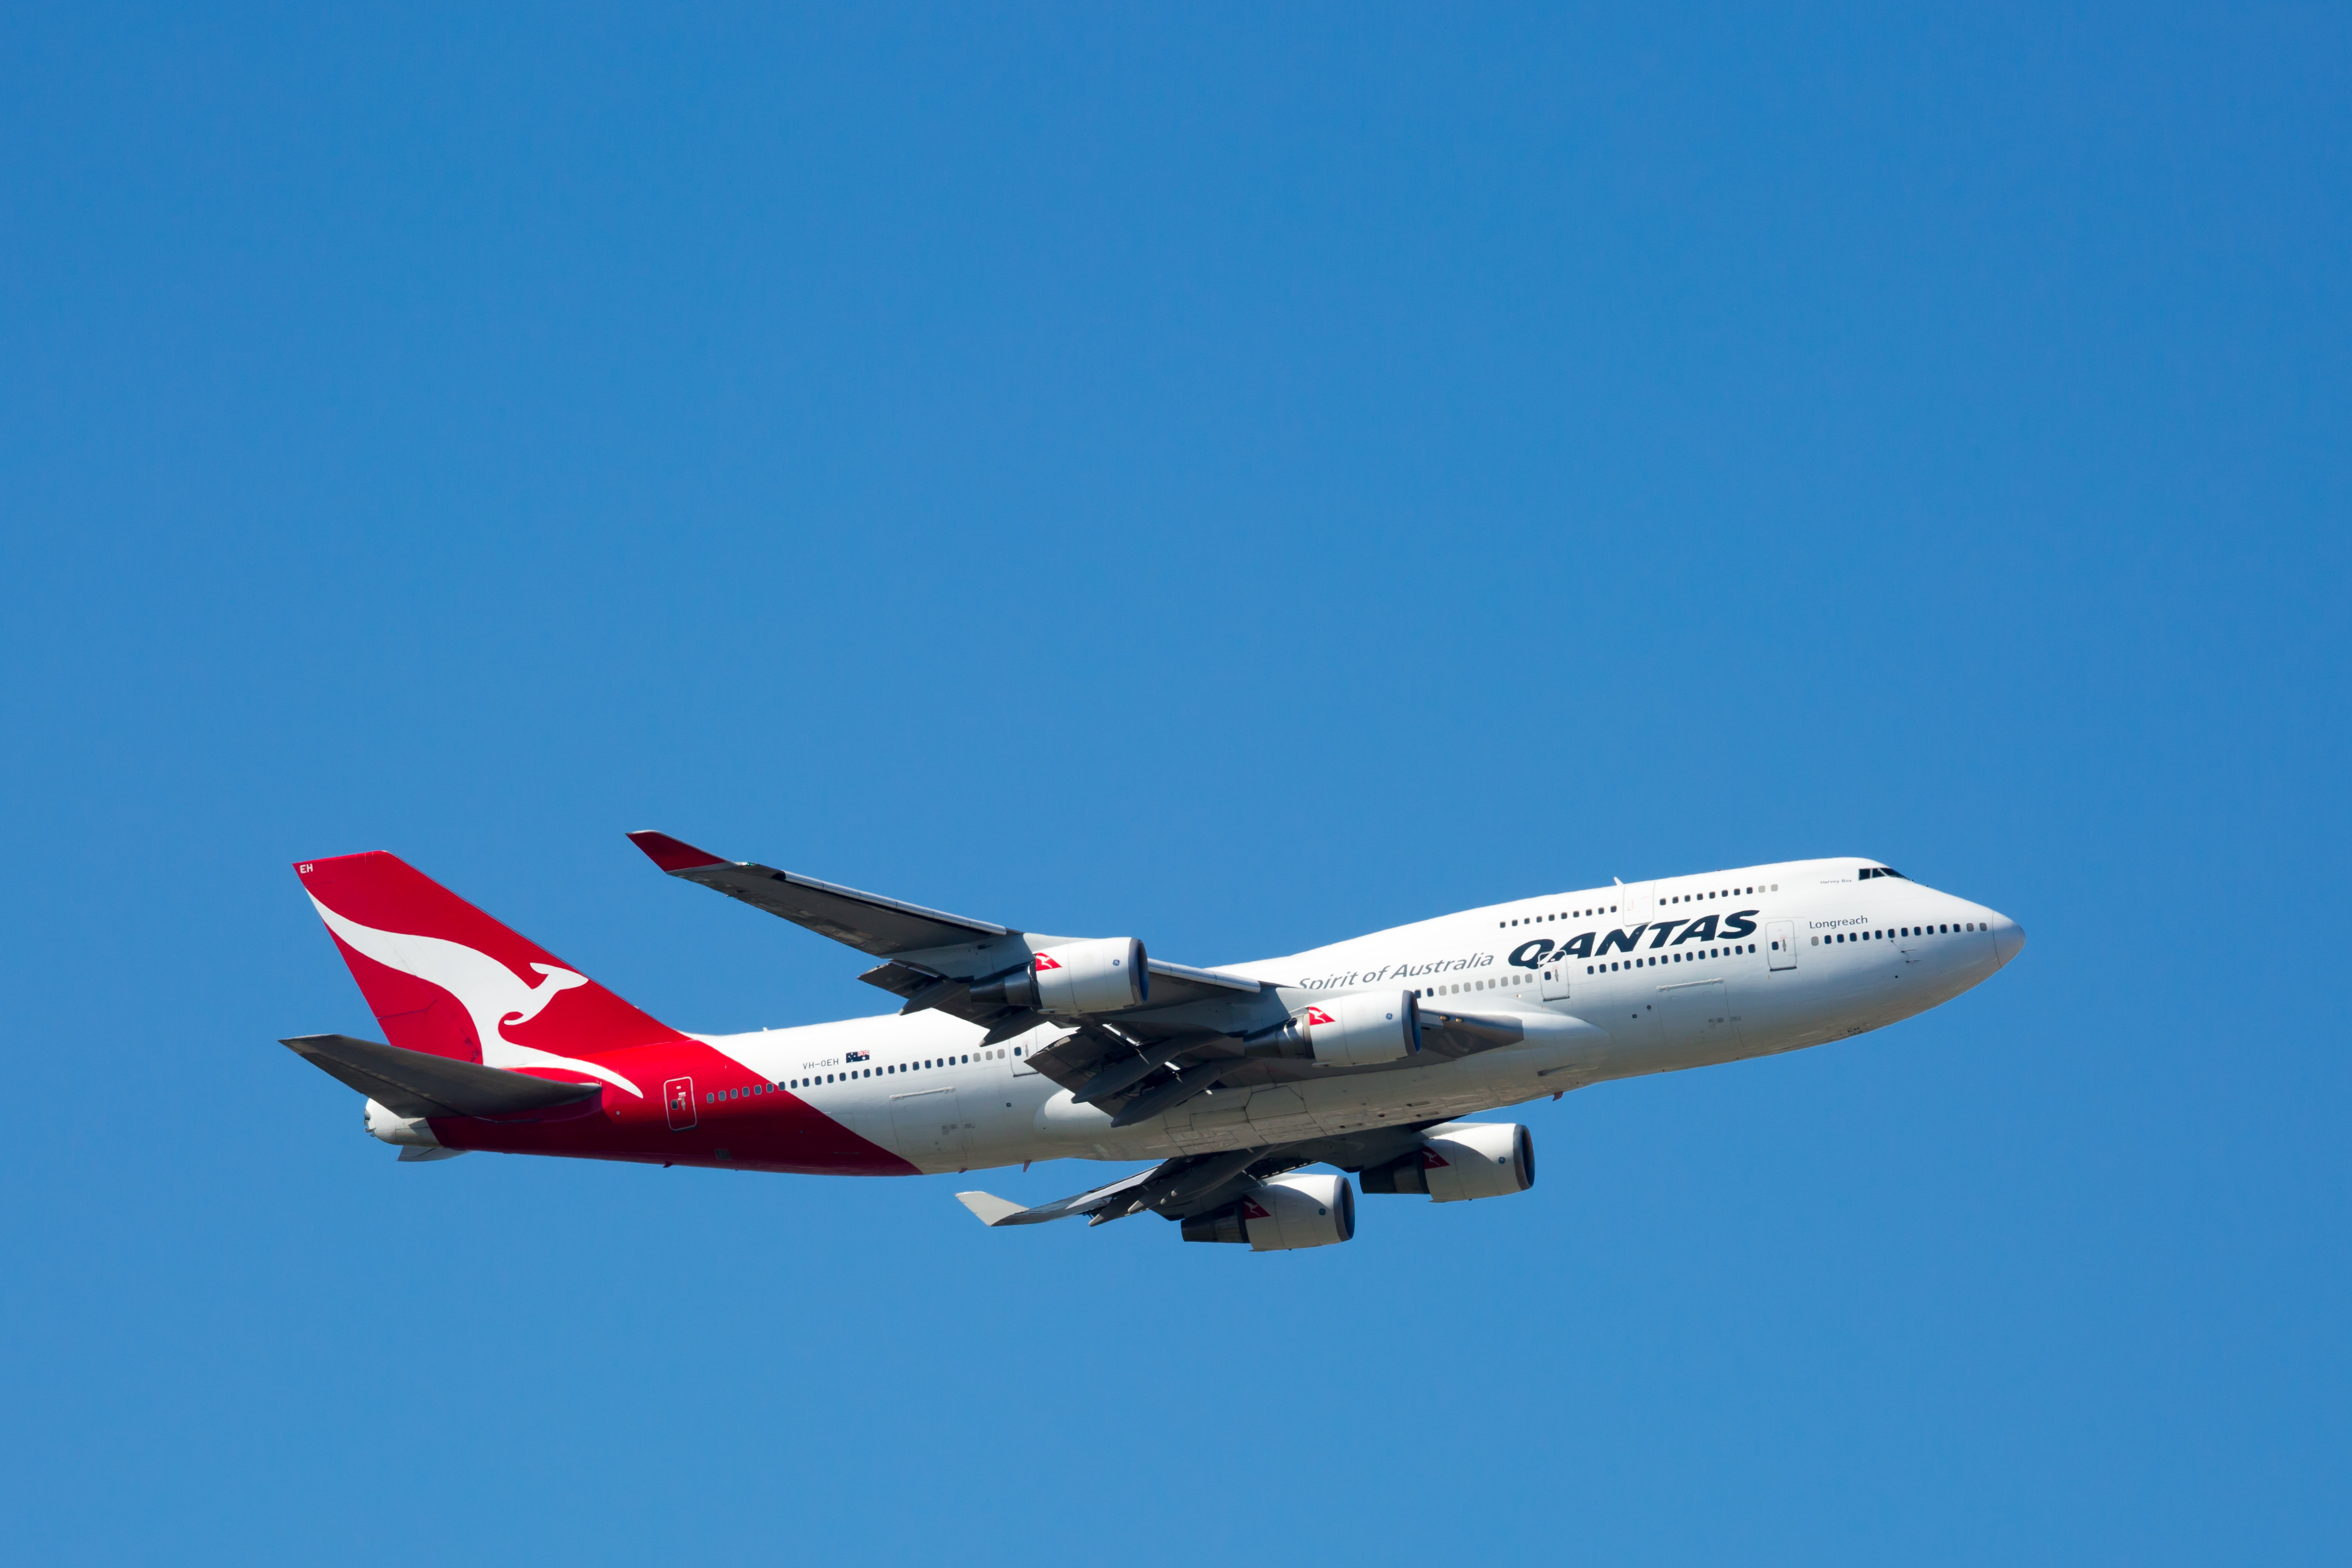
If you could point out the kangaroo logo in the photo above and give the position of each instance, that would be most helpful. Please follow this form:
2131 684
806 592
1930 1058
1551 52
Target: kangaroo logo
491 994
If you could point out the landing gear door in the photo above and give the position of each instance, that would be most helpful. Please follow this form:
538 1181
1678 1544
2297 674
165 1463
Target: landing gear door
678 1099
1781 943
1555 979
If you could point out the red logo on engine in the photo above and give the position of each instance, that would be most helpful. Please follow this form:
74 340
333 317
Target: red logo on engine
1047 961
1431 1160
1251 1209
1317 1017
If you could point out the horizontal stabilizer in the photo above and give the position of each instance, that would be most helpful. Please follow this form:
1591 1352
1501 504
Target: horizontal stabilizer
416 1083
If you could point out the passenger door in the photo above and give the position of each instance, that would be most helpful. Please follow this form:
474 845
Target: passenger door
1555 978
1781 943
677 1101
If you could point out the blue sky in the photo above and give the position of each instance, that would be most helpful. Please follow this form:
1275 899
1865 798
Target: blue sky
1241 480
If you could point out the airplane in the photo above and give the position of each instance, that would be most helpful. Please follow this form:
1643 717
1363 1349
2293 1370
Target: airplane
1010 1046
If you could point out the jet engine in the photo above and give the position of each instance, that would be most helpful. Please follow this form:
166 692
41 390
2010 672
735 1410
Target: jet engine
1361 1029
1099 976
1283 1214
1458 1161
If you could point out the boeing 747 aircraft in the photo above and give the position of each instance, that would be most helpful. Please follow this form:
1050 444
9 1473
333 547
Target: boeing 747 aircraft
1011 1046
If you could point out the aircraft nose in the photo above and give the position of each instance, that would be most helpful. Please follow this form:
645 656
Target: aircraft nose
2007 939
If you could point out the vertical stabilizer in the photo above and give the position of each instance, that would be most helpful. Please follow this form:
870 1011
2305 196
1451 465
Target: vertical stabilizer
442 977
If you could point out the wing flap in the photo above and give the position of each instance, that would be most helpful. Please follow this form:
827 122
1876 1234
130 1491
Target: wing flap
1175 983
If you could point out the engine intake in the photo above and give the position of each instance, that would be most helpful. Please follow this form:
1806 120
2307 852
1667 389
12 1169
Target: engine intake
1282 1214
1099 976
1458 1161
1362 1029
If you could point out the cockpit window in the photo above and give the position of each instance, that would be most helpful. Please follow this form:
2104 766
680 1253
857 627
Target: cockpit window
1870 871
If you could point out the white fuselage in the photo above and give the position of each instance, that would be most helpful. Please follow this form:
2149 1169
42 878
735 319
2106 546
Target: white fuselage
1608 983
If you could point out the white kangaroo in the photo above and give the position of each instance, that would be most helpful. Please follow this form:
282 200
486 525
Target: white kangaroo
490 993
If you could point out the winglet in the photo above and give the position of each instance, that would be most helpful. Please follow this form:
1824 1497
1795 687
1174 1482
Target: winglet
990 1208
673 854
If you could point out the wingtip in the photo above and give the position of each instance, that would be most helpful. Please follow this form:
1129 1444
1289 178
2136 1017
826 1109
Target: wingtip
672 854
987 1207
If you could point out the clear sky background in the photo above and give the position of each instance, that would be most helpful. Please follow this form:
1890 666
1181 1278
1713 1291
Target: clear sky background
1242 480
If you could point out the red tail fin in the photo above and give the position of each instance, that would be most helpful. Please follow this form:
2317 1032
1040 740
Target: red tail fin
442 977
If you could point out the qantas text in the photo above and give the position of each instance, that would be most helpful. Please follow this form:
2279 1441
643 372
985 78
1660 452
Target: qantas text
1661 934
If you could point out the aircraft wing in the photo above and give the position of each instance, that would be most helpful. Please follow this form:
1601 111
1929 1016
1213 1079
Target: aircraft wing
865 921
1195 1184
888 927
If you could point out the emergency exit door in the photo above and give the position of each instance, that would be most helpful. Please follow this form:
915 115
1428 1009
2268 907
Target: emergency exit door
1781 943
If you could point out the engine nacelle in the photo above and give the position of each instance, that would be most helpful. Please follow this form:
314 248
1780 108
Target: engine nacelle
1458 1161
1361 1029
1283 1214
1099 976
